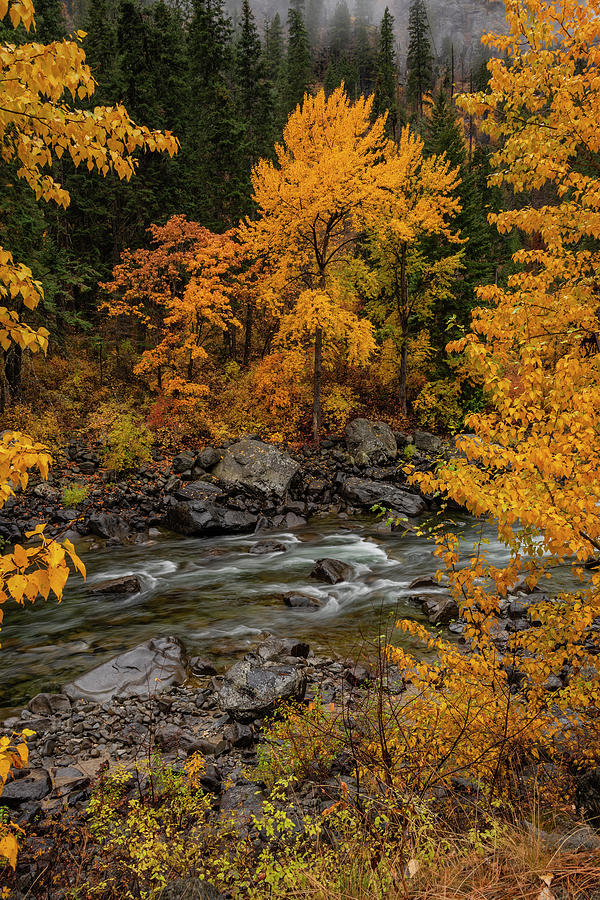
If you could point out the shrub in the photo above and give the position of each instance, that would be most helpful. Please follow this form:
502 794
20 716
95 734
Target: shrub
128 439
74 494
438 406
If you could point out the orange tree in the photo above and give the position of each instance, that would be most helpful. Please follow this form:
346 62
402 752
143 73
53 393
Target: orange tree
310 205
39 123
533 463
181 291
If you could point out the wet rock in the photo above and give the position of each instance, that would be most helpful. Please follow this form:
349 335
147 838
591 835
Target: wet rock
148 669
251 690
258 467
208 458
242 802
34 786
108 525
200 517
332 571
366 493
440 610
199 490
201 667
429 443
279 648
370 443
190 889
295 600
239 735
423 581
357 675
268 547
126 584
49 704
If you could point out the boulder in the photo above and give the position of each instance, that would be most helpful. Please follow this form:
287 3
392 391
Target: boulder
332 571
370 443
49 704
295 600
259 467
208 458
146 670
366 493
198 490
108 525
190 889
268 547
201 517
183 462
427 442
279 648
126 584
439 609
36 785
251 690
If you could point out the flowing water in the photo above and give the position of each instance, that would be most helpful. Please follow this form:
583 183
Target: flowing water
217 597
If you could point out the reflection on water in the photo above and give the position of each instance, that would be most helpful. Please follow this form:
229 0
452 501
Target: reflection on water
217 597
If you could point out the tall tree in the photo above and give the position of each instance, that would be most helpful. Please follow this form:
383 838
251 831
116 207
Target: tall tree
253 97
419 60
340 30
386 94
310 206
298 62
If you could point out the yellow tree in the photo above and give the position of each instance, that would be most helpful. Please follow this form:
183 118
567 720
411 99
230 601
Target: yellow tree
39 123
310 204
419 200
534 463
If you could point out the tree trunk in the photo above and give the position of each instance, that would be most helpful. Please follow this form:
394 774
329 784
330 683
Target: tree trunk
403 317
317 385
13 365
248 334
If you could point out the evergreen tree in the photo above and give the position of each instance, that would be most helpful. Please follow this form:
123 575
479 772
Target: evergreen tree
363 57
340 31
275 73
386 81
419 61
445 133
253 97
101 47
298 62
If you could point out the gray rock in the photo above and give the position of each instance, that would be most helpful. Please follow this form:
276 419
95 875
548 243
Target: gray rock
49 704
108 525
427 442
199 490
190 889
34 786
440 610
268 547
423 581
332 571
148 669
201 517
370 443
294 600
127 584
274 648
258 467
366 493
251 690
183 462
208 458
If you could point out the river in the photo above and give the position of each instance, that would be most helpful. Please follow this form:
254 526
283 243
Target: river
217 597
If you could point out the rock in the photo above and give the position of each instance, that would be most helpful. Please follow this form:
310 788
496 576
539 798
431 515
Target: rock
202 667
295 600
423 581
126 584
366 493
148 669
49 704
34 786
279 648
239 735
201 517
332 571
108 525
268 547
183 462
190 889
357 675
370 443
252 690
208 458
440 610
242 803
258 467
199 490
427 442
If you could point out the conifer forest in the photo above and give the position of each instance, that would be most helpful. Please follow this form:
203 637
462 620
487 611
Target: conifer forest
300 449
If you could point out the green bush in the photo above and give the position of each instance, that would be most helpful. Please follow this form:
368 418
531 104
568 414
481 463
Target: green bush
129 443
74 494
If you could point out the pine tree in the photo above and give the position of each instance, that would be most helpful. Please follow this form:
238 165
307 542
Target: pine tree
363 54
274 63
385 84
340 31
253 97
298 62
419 61
445 133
